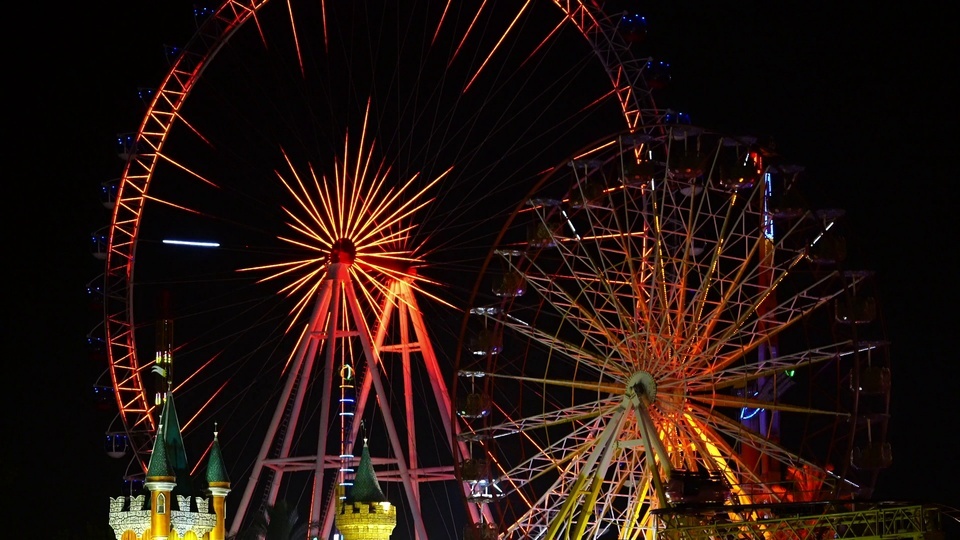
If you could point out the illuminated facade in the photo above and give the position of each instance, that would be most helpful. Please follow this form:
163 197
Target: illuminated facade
171 507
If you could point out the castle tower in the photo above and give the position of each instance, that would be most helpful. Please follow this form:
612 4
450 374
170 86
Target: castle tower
218 486
173 510
366 514
161 476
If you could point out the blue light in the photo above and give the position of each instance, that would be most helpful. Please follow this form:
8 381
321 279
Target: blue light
677 118
767 218
743 411
634 19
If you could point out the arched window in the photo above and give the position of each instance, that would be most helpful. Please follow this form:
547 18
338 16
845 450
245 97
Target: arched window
161 503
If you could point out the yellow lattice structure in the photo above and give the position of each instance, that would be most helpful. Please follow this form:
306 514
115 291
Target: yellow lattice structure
876 522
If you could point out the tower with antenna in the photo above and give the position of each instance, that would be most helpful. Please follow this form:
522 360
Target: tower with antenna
364 513
360 321
163 362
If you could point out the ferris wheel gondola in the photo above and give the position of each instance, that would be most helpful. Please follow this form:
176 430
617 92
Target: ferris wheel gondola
670 339
485 96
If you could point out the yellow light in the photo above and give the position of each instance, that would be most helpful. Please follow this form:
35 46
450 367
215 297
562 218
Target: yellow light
354 204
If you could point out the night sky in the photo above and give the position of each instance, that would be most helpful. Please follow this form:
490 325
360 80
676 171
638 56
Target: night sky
864 97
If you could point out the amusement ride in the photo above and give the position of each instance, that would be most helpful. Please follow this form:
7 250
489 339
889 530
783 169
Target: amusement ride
465 232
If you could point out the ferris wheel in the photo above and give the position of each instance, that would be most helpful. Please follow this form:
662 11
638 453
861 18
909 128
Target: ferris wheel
276 127
666 326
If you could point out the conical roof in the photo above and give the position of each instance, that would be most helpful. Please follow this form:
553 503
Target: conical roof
216 472
366 487
170 430
159 467
169 456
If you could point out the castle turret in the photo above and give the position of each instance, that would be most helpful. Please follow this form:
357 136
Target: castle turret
366 514
218 486
161 479
173 510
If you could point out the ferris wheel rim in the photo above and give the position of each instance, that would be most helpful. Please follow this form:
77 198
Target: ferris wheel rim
552 345
135 412
161 114
125 364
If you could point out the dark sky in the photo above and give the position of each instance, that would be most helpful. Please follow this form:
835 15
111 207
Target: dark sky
862 96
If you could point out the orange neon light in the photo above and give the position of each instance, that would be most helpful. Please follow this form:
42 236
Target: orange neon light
359 207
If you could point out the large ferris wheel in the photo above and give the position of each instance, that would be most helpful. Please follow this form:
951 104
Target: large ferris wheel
664 326
657 324
225 226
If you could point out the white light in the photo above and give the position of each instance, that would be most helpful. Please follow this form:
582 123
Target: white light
192 243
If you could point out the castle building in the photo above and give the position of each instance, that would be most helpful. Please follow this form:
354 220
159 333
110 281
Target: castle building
365 513
174 505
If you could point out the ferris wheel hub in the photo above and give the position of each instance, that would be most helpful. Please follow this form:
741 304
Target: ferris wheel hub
642 386
343 251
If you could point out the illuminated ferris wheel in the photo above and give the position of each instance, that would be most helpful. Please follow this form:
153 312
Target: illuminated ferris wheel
666 333
305 196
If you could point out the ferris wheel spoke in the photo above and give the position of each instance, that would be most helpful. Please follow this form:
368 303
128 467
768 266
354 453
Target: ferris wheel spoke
742 402
766 446
592 302
585 484
573 415
590 475
733 305
679 429
775 319
779 318
718 300
670 283
718 454
737 375
592 307
555 458
568 351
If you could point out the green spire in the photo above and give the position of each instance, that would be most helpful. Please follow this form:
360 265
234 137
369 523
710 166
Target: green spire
169 455
170 430
366 488
216 472
159 467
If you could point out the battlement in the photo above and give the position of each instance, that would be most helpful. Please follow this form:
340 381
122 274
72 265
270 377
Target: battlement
384 509
189 514
119 504
129 514
172 502
367 521
200 523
